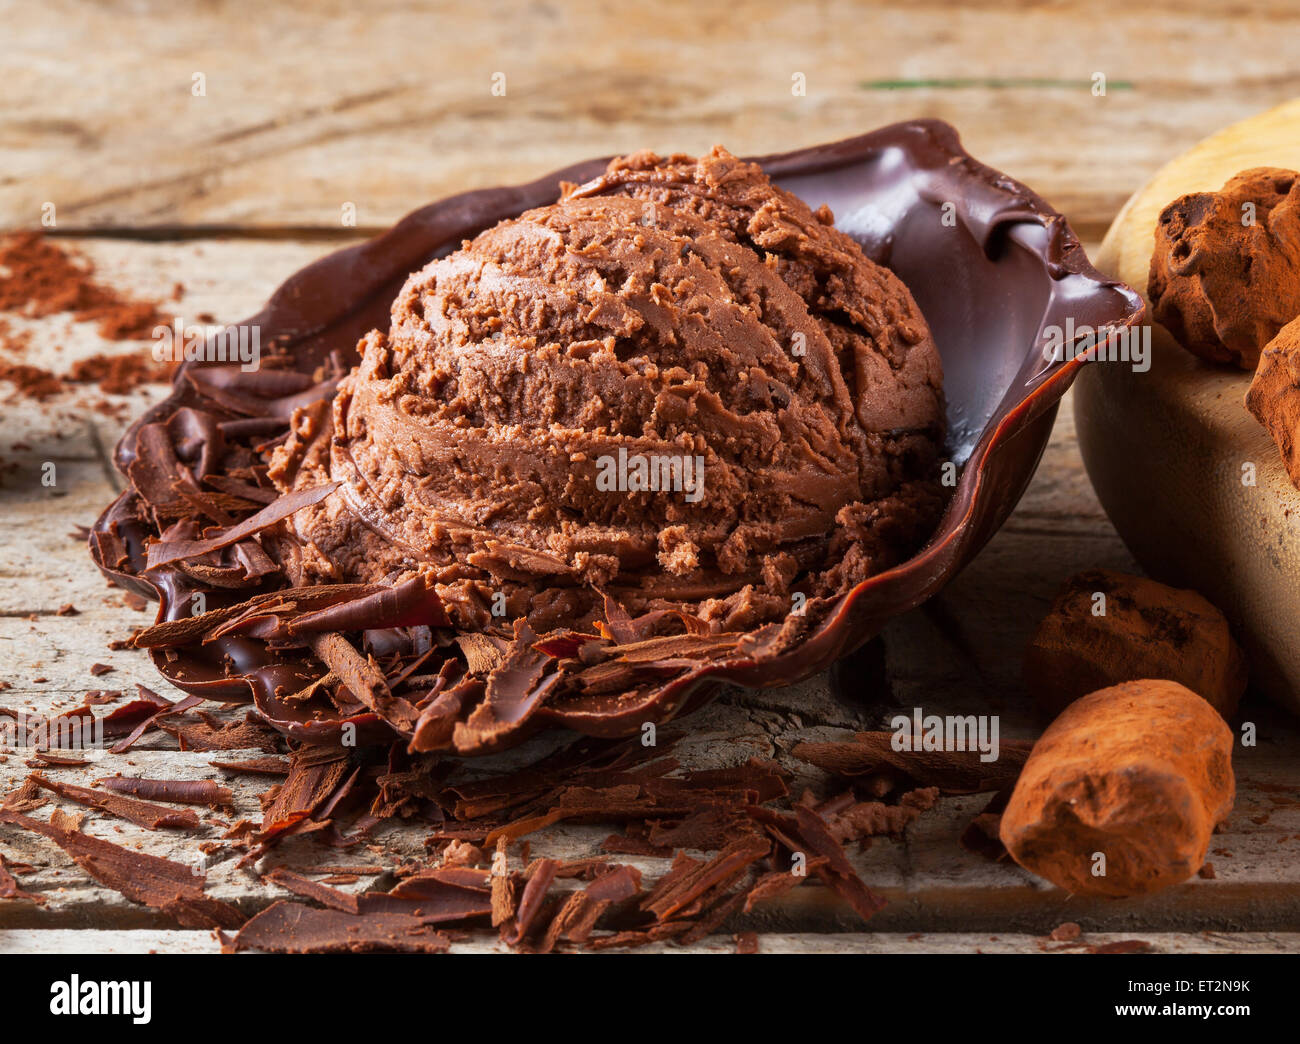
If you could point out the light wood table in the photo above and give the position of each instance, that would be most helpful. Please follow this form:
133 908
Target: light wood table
311 107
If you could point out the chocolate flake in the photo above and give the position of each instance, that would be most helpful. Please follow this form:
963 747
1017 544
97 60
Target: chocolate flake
174 889
181 791
141 813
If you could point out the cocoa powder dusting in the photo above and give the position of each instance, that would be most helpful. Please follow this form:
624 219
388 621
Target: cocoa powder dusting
40 278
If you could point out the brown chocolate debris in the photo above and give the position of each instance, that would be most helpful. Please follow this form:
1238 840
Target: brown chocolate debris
181 791
1067 932
255 766
39 277
9 888
174 889
952 771
141 813
285 927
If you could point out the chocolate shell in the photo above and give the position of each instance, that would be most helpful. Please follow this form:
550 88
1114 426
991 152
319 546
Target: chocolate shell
995 270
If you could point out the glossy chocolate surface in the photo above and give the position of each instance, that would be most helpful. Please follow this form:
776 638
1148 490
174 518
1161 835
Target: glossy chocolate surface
990 264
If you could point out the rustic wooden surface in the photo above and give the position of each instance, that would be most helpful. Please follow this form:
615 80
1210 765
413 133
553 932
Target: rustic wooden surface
308 108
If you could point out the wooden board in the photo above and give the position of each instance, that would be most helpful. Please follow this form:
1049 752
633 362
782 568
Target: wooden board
312 106
960 653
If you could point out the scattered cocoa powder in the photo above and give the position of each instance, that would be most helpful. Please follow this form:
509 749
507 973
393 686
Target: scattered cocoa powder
32 382
39 278
119 374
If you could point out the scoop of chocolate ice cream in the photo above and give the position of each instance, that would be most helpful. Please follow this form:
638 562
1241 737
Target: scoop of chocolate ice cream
678 387
1225 275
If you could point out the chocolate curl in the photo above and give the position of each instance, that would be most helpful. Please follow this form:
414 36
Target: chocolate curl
515 690
436 726
9 888
411 603
838 872
165 552
181 791
141 813
315 775
364 680
255 766
198 440
690 886
152 721
232 618
233 391
563 645
243 490
155 472
335 898
531 902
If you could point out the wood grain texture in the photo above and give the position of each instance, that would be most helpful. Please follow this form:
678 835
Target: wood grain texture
309 106
112 941
961 653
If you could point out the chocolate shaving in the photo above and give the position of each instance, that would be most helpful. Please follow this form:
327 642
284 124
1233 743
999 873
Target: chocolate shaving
408 604
309 889
255 766
165 552
515 690
530 903
145 714
182 791
159 883
210 734
314 775
363 679
141 813
9 888
286 927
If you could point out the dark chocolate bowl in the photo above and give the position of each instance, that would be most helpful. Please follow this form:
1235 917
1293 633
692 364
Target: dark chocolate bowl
990 264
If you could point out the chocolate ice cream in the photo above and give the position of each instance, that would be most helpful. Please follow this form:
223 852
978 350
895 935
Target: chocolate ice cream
678 387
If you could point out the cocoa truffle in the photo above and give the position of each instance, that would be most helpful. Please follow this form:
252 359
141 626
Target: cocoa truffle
1106 627
1274 395
679 311
1122 792
1225 275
